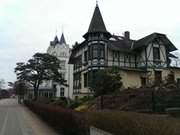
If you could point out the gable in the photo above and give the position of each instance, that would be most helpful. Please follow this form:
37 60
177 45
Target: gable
155 37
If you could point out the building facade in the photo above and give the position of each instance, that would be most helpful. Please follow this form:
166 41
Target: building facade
62 51
141 62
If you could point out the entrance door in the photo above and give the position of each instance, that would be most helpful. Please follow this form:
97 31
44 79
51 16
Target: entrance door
158 77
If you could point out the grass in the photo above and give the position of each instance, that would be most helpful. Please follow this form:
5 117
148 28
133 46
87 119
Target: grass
130 123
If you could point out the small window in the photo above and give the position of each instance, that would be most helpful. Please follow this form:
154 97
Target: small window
89 53
62 92
85 56
54 86
101 51
79 61
85 80
95 51
115 55
127 59
156 53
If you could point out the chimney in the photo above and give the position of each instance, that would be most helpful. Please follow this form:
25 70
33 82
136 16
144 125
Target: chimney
127 34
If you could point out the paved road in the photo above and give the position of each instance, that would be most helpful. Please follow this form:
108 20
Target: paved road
18 120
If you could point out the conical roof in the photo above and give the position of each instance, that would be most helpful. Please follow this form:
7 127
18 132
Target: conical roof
97 23
55 41
56 38
62 40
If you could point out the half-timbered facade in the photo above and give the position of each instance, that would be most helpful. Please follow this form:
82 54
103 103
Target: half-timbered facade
141 62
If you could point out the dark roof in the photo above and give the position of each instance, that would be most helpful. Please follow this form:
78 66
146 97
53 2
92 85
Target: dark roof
174 67
75 48
172 55
55 41
118 43
122 44
148 39
97 23
62 40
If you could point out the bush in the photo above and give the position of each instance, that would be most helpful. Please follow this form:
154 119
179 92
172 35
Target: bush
44 100
82 108
70 122
66 121
62 101
80 102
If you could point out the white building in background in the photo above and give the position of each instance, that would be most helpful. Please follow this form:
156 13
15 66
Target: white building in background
62 51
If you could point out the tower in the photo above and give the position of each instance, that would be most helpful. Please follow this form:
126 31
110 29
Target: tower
90 55
97 37
97 40
61 50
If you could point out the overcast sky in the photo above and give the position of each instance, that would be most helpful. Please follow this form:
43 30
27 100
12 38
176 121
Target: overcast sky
27 26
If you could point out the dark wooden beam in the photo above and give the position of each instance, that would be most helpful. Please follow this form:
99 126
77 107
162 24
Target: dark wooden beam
146 56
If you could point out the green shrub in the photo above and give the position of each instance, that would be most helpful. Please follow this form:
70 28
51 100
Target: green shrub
74 104
80 102
61 101
82 108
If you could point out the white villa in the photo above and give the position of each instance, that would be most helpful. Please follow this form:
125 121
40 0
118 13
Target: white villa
49 89
61 50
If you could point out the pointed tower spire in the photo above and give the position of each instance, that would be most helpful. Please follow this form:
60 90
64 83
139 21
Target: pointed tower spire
96 2
55 41
97 23
62 40
56 38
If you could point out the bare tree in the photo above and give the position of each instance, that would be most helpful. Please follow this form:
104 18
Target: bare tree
2 83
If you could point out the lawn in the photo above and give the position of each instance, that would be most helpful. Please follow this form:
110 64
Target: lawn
131 123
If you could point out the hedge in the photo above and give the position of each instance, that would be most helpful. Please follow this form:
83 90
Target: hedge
66 121
69 122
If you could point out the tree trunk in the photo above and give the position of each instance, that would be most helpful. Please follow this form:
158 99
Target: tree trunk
35 94
36 89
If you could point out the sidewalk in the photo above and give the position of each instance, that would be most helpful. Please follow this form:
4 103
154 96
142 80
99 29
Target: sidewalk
37 125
